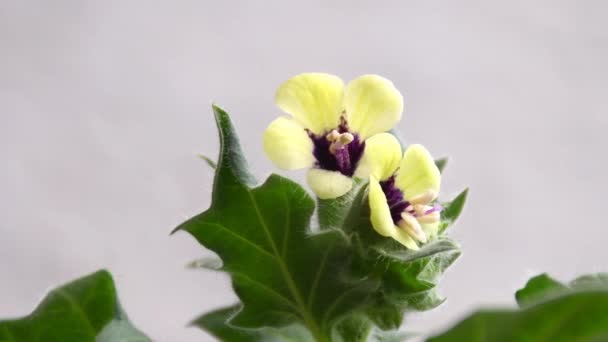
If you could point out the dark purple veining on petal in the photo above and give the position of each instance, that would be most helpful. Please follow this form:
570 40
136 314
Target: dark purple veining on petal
395 200
344 160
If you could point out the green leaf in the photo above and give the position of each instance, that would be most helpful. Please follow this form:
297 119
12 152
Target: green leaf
441 164
538 288
86 309
543 287
216 323
575 317
409 280
452 210
282 272
590 282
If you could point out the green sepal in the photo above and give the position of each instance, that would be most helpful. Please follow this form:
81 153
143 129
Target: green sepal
441 164
451 210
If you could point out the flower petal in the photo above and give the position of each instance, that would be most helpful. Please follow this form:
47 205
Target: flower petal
314 99
405 239
328 184
373 105
380 158
380 214
417 173
288 145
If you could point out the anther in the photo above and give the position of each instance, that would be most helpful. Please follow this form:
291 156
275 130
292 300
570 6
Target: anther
346 138
430 218
339 140
333 135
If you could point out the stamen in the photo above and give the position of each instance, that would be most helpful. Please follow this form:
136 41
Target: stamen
411 225
339 140
346 138
333 136
430 218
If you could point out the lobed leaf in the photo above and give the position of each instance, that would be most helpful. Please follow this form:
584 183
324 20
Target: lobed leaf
86 309
537 289
575 317
282 272
551 311
216 323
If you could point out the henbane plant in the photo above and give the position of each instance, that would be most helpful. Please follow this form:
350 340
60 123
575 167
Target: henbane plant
343 265
340 277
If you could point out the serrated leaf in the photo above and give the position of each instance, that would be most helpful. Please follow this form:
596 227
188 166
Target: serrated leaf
575 317
216 323
86 309
542 287
538 288
262 234
452 210
590 282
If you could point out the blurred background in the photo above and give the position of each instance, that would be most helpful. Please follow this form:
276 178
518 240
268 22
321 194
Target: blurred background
104 106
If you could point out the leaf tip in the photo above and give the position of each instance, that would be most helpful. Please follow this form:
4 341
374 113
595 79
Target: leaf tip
176 229
441 163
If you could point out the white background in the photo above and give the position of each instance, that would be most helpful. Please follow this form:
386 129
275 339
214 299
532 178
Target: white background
105 104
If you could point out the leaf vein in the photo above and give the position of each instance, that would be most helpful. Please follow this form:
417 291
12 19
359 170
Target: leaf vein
242 238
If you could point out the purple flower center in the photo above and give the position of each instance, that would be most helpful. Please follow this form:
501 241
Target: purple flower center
397 204
394 197
344 159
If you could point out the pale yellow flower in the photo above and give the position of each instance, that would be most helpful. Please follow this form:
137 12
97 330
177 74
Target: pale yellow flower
402 191
329 126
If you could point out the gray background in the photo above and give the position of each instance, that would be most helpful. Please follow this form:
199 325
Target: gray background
105 104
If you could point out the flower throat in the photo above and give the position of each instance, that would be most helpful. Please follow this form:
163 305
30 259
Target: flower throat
338 150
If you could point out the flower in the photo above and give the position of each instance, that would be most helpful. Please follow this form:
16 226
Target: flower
402 191
329 126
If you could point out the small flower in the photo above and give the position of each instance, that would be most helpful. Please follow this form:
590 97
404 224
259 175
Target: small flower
401 192
329 127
